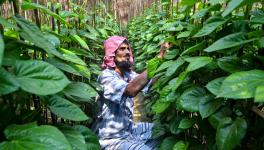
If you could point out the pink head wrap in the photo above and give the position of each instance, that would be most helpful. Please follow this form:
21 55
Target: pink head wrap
110 46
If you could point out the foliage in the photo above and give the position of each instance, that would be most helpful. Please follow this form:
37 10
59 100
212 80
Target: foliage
212 77
48 76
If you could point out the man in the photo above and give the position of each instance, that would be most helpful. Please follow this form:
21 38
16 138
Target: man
114 126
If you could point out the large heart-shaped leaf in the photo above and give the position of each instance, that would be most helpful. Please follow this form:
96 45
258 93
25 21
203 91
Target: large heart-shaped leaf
32 33
39 77
75 138
215 85
233 4
259 95
160 107
174 66
208 106
179 80
234 64
231 40
197 62
31 136
210 27
30 6
181 145
186 123
92 142
80 41
168 143
215 119
191 98
64 108
230 133
164 65
8 82
194 48
152 65
79 91
70 56
241 85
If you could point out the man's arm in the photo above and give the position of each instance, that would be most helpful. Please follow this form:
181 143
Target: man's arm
141 80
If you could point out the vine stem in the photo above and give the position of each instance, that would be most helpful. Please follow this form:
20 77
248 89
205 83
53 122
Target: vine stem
257 111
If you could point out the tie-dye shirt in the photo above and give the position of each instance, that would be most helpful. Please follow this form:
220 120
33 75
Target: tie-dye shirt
116 108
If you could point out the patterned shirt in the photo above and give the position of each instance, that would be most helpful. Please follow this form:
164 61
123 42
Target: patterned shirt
115 118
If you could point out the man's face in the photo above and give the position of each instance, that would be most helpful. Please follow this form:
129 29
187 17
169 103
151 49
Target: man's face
122 56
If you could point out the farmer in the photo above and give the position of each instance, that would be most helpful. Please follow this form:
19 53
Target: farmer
114 125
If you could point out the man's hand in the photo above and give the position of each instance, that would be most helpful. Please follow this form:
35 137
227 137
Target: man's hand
163 47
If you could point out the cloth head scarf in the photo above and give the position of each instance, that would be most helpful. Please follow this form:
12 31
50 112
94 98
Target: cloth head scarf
110 46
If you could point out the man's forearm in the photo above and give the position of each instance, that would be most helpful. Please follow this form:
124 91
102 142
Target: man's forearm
137 84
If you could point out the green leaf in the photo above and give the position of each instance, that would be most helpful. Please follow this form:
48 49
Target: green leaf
215 119
230 133
54 40
179 80
257 17
168 143
92 142
8 82
210 27
174 125
30 6
197 62
194 48
32 33
191 98
79 91
72 57
2 46
241 85
200 14
208 106
174 66
62 65
83 70
188 2
215 85
186 123
31 136
259 95
80 41
231 64
6 24
64 108
181 145
75 138
160 107
152 65
232 5
39 77
231 40
184 34
164 65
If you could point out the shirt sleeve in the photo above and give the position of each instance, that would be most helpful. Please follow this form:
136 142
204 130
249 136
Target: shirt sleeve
113 87
146 87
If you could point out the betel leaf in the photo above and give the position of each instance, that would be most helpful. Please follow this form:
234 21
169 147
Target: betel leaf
75 138
232 5
72 57
201 13
79 91
80 41
186 123
181 145
210 27
179 80
160 107
259 95
8 82
62 65
168 143
188 2
231 40
164 65
194 48
30 6
215 119
32 33
83 70
257 17
91 140
40 77
215 85
152 66
6 24
197 62
241 85
208 106
230 133
64 108
174 66
31 136
191 98
1 49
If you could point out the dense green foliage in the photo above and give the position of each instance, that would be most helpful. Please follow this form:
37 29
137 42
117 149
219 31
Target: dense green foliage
211 81
48 72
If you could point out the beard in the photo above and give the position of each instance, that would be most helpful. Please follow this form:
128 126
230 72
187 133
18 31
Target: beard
123 65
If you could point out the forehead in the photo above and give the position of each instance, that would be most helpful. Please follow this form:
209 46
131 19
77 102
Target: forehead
124 45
